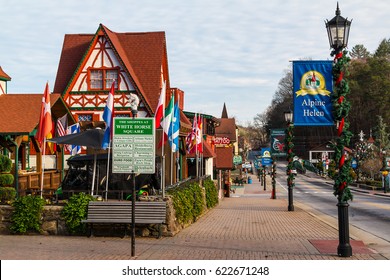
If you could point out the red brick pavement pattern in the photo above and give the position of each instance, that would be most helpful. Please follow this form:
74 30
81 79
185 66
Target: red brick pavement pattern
247 226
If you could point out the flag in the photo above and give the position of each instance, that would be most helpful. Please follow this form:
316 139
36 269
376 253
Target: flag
107 117
62 126
52 146
173 133
73 149
199 135
45 122
191 137
312 93
160 107
166 121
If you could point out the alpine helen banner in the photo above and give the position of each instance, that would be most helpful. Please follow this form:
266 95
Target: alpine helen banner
312 85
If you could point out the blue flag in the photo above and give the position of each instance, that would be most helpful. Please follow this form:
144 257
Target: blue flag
107 117
173 134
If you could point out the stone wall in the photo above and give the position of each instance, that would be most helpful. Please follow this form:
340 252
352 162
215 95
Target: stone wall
53 224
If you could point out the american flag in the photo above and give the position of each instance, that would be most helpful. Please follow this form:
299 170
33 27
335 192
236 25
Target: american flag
62 126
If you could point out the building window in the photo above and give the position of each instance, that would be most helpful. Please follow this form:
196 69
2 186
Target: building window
122 115
101 79
85 117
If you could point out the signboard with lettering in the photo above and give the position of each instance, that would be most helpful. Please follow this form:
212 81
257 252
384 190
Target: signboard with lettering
312 89
133 146
221 141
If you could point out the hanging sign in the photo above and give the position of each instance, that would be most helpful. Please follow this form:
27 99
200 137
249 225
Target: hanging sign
277 142
312 89
266 158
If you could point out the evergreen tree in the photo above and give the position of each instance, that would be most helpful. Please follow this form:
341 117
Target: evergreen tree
383 50
359 52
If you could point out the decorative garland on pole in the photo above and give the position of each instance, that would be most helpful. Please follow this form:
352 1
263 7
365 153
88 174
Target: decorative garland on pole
290 154
341 107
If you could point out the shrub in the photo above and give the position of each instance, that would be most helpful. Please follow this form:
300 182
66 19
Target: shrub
76 210
211 193
5 164
6 180
7 194
27 214
188 202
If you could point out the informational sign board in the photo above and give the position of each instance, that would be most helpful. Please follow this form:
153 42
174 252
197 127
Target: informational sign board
133 146
237 160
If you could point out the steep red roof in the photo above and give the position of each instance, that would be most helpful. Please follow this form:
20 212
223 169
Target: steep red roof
227 128
224 159
142 55
4 76
73 50
20 112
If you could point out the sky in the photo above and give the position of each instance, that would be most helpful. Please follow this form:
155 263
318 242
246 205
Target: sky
220 51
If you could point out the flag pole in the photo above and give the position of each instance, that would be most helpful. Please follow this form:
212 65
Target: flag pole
43 164
163 158
171 126
108 169
196 148
94 171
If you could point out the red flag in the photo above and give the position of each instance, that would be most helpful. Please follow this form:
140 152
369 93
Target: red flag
191 137
45 122
199 135
159 115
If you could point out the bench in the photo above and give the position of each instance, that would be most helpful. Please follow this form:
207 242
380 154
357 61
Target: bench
119 212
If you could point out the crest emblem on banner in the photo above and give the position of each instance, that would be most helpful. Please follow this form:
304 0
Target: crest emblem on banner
313 82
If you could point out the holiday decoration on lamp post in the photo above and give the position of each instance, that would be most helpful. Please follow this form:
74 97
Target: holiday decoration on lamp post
338 32
290 157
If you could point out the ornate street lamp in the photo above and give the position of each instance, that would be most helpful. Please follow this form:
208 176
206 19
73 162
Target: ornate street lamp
338 32
290 155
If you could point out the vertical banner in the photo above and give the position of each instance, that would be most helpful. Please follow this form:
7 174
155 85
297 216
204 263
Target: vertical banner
312 89
266 158
277 142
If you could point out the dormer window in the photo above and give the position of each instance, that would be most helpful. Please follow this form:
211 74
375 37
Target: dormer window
101 79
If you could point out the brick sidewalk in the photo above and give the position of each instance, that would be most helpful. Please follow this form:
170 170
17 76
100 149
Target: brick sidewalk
247 226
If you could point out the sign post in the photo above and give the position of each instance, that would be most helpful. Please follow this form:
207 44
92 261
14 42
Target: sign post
133 151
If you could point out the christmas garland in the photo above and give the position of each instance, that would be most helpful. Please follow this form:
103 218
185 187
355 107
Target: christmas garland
341 107
290 155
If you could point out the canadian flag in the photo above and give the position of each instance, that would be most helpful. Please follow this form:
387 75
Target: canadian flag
160 107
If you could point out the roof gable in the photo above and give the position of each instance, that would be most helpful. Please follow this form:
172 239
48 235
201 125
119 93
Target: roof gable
142 55
227 128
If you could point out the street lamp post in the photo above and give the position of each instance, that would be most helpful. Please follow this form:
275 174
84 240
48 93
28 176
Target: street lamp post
338 32
290 156
273 194
134 102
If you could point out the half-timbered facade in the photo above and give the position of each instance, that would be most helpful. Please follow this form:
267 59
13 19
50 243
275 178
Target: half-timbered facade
137 64
90 63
